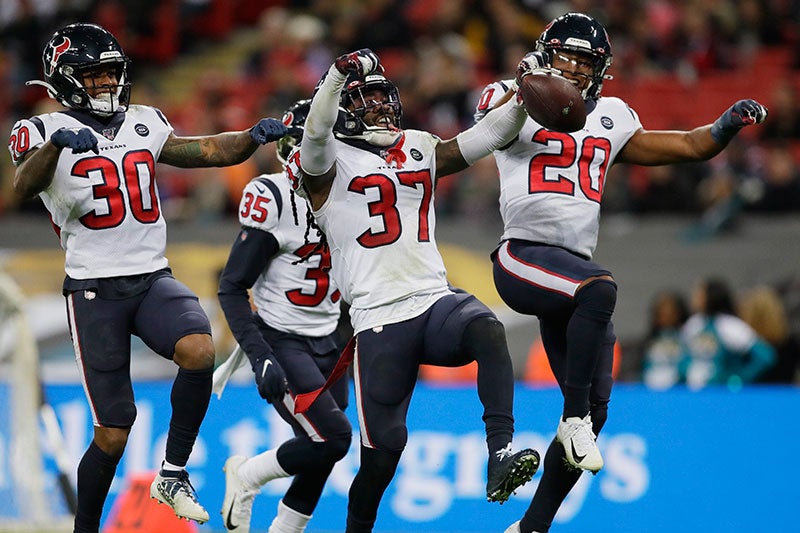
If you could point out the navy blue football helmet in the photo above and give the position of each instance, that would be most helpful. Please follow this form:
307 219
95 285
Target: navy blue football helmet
576 32
75 50
294 116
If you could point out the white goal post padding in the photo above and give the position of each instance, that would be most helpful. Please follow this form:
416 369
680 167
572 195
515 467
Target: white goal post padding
23 452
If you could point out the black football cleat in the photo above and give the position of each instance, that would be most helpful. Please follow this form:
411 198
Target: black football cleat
509 472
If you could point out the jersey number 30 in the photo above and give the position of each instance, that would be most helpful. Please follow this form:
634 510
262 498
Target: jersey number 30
137 176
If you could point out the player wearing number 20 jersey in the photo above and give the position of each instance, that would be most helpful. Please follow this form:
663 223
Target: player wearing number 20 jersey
551 189
557 179
105 206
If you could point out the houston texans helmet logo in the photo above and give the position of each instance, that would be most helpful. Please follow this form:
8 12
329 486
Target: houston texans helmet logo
57 50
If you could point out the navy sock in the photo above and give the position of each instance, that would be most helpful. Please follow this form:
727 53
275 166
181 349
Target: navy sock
484 339
191 393
556 482
374 475
586 335
95 474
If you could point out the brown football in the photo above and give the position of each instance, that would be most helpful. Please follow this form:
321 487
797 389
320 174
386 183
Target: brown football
552 101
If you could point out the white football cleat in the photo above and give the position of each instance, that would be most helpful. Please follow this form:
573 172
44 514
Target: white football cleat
237 507
579 442
175 490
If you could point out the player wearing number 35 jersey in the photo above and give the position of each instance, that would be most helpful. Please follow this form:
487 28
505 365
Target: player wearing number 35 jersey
291 342
551 189
94 167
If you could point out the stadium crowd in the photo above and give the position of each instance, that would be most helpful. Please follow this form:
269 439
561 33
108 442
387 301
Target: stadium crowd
441 54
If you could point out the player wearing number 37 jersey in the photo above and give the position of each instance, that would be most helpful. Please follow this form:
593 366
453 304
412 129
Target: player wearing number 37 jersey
94 167
371 185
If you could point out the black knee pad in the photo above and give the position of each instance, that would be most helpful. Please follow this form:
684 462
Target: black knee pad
392 439
120 414
596 301
334 449
485 331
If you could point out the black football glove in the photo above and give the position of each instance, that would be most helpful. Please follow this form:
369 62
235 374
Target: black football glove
742 113
270 378
362 62
532 61
79 139
268 130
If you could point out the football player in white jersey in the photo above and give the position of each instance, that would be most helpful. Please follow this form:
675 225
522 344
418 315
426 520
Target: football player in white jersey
291 341
551 187
93 165
371 187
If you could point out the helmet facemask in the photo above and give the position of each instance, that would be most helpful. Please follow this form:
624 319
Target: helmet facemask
354 106
580 34
108 101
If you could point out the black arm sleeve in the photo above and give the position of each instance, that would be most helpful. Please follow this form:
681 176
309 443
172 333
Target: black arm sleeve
250 255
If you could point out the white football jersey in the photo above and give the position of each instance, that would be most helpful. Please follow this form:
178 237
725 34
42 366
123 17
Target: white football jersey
104 206
292 296
548 192
380 223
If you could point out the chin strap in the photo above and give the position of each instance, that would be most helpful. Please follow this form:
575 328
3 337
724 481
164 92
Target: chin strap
50 88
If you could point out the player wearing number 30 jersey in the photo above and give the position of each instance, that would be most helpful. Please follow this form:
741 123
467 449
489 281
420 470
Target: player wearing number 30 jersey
101 204
94 167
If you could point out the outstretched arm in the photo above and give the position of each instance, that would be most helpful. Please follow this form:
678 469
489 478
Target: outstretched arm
494 131
664 147
220 150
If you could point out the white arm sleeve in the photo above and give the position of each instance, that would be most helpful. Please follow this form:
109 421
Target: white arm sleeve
317 150
494 131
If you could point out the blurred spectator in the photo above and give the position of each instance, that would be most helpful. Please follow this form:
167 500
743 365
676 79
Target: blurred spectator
666 189
778 186
662 350
784 113
722 348
702 40
291 59
440 52
762 308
